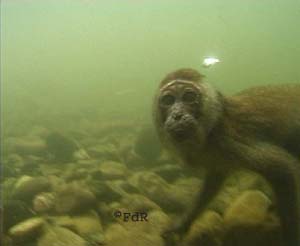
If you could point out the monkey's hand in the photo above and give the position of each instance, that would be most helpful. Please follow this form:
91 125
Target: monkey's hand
171 238
174 235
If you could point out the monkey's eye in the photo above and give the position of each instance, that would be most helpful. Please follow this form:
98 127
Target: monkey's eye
167 100
189 97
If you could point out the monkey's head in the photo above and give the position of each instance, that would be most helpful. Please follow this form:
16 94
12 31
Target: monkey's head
186 108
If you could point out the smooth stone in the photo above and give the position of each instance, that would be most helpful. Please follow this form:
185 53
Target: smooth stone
74 199
27 229
59 236
27 187
207 230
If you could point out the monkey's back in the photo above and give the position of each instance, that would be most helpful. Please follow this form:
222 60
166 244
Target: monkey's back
270 113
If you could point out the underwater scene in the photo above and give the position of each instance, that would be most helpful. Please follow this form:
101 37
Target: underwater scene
123 123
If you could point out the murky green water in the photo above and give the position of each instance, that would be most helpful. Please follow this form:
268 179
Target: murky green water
91 67
107 56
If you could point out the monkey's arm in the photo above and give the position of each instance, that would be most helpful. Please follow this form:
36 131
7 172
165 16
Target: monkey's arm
281 169
213 181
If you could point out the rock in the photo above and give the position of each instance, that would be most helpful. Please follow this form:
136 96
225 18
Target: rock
31 165
121 187
187 188
169 172
84 224
138 203
27 187
247 180
88 162
158 221
236 184
249 221
55 235
48 169
73 199
23 180
158 190
7 185
104 152
172 198
15 211
224 199
115 235
250 207
6 241
207 230
87 224
14 160
104 191
127 188
56 182
148 183
111 170
10 171
61 147
96 239
63 221
30 145
81 154
105 212
141 234
27 229
132 160
43 202
75 173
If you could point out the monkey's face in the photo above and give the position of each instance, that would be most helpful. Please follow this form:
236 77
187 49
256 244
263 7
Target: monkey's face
179 105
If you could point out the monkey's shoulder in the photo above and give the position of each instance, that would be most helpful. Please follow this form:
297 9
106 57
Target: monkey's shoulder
266 113
270 92
267 103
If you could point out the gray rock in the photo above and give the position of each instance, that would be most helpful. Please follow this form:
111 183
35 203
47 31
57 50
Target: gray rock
138 203
85 224
61 147
104 191
152 186
249 221
112 170
207 230
250 207
60 236
143 234
14 160
26 230
30 145
43 202
104 152
235 185
73 199
27 187
171 198
14 211
170 172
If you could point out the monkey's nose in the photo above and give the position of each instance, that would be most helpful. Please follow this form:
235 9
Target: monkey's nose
177 116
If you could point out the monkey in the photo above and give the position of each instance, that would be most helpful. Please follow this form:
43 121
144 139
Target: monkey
256 129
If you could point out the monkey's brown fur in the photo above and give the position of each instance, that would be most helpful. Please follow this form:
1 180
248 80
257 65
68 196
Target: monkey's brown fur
257 129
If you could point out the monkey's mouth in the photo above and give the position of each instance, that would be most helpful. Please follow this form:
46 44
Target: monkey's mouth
181 133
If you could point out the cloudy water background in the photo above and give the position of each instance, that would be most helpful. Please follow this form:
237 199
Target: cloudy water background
106 57
78 79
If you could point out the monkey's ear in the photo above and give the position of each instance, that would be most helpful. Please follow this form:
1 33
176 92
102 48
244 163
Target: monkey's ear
184 74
